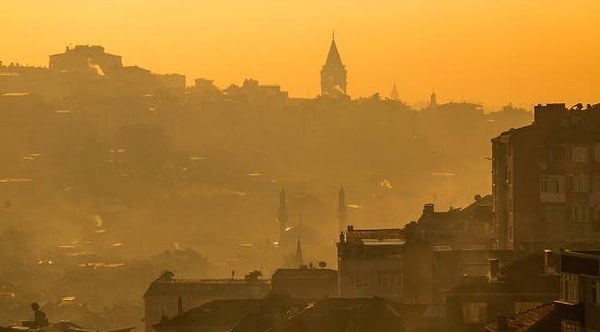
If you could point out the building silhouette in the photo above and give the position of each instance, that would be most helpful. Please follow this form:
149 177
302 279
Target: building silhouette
333 74
169 297
546 179
371 263
85 58
304 282
508 288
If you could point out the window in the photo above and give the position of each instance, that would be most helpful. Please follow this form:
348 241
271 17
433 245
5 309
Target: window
580 213
580 154
569 288
554 213
549 184
597 152
388 280
580 183
474 268
475 312
596 182
595 292
557 156
570 326
360 280
595 214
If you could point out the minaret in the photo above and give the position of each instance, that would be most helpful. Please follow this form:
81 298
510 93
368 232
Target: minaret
282 215
433 100
342 213
333 73
394 94
299 258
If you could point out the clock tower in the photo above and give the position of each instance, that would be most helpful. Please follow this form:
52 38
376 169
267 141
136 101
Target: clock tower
333 74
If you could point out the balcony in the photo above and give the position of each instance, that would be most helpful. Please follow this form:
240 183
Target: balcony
570 311
546 197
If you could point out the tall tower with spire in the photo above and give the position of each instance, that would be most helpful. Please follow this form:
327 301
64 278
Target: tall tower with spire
282 214
394 94
433 100
333 73
342 213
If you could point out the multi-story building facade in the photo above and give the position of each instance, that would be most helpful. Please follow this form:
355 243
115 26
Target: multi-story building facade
579 304
546 179
370 263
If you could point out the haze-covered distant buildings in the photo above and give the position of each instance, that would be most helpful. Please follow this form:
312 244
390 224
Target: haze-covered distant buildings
85 59
87 71
149 152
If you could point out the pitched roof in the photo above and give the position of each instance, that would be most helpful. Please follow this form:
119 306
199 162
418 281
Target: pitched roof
356 314
215 313
221 287
541 318
237 314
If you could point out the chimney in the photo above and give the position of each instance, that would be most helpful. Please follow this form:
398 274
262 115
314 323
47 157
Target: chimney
502 322
549 262
179 306
350 228
494 269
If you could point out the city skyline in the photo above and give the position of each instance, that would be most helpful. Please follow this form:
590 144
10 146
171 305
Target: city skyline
234 165
500 53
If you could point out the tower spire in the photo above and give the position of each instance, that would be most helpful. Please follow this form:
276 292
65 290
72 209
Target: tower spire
394 94
282 215
333 73
299 258
433 99
342 213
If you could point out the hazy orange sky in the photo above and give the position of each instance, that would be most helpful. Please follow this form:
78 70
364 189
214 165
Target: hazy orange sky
486 51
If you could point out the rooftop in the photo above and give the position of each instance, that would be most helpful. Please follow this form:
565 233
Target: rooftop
541 318
220 287
304 273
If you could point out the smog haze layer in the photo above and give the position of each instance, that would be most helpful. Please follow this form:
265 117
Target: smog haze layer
294 121
487 52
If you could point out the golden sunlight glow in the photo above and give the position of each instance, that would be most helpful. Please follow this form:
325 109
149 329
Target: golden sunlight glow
492 52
